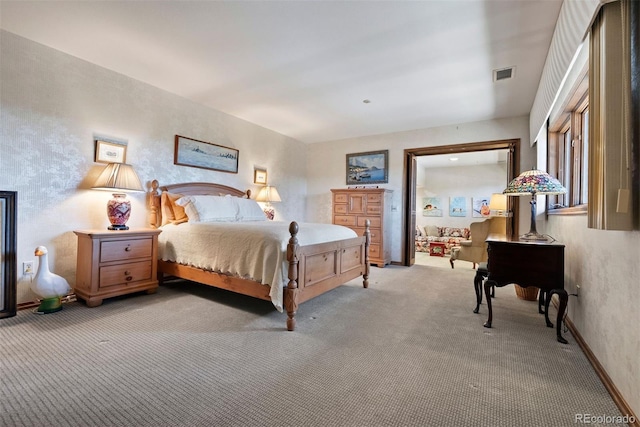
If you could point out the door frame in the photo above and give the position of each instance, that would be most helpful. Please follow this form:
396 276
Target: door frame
409 185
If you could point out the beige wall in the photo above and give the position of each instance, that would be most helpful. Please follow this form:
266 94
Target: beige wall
52 107
327 163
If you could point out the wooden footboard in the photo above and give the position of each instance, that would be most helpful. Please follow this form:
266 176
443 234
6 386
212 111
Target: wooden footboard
316 269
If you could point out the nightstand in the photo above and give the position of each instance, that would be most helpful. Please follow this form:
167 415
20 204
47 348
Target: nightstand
113 263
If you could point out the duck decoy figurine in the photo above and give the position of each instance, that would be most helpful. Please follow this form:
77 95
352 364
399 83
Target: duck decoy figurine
48 285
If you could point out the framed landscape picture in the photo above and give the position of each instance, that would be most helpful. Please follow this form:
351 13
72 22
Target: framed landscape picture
205 155
368 168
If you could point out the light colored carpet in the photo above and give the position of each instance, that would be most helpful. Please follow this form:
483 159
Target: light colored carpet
408 351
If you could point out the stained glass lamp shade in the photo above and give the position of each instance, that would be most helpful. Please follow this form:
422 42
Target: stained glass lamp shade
534 182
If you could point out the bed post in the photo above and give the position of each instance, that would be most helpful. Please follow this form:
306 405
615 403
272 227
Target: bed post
291 291
154 196
367 241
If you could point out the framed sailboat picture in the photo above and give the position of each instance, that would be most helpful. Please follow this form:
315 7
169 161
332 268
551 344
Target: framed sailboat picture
368 168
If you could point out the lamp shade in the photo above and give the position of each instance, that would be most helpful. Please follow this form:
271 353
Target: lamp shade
118 177
498 204
268 194
534 182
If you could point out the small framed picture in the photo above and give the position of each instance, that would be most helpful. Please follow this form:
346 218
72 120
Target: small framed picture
260 176
110 152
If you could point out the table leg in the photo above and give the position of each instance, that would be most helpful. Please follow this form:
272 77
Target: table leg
477 285
487 290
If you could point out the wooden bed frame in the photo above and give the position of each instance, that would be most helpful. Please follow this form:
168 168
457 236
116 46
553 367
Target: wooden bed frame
313 269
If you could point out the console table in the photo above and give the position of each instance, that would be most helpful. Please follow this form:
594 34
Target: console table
538 264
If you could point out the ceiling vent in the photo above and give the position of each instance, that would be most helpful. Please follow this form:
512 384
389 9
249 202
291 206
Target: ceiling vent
504 74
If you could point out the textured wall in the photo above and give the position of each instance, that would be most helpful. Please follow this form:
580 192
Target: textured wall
327 163
53 105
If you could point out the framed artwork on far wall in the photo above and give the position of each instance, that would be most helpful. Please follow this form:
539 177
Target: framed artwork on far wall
480 207
368 168
260 176
205 155
110 152
431 206
8 246
457 206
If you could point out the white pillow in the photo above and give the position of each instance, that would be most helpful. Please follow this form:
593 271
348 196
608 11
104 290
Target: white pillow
209 208
249 210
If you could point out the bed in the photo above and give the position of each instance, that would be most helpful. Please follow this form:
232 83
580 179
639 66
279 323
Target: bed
309 267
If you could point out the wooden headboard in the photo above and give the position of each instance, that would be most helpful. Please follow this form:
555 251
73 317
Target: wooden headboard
187 189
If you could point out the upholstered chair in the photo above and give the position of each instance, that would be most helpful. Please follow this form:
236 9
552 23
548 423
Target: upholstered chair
473 250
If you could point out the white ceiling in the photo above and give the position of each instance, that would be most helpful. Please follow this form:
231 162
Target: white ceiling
303 68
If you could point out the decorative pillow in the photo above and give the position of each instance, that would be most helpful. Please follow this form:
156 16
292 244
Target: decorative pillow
451 232
432 230
418 231
249 210
209 208
171 212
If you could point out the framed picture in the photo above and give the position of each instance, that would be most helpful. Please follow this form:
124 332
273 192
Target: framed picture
205 155
260 176
368 168
431 206
457 206
480 207
110 152
8 245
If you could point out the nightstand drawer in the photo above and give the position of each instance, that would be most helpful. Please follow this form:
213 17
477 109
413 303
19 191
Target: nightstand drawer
125 273
125 249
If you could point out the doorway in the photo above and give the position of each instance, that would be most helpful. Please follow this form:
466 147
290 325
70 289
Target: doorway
409 185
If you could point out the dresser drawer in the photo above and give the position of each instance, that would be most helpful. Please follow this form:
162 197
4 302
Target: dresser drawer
125 273
375 233
344 220
374 251
340 198
375 222
373 209
374 198
116 250
340 209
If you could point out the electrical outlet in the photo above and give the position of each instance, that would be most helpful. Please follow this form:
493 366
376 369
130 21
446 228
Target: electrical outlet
27 267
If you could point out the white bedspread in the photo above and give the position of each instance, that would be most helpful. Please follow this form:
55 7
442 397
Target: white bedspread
251 250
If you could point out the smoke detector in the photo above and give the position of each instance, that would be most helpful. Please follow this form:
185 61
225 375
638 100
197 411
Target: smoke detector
504 73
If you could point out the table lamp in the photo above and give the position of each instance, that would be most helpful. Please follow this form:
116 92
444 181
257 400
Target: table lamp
268 194
534 182
119 178
498 205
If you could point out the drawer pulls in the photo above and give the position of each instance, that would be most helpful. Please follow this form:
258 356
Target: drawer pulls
128 248
129 277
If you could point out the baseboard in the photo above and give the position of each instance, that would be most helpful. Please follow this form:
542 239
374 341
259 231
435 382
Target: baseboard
602 374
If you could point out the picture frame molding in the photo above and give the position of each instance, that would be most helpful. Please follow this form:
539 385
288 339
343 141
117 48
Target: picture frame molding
205 147
102 147
8 246
350 176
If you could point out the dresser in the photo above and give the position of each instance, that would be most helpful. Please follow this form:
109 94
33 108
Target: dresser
113 263
352 207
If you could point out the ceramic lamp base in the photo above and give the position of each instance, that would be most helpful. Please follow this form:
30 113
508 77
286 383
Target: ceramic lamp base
118 211
49 305
269 212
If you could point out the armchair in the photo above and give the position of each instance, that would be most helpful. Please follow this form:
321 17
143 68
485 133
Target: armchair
475 249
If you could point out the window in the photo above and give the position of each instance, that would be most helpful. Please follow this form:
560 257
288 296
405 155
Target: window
568 152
